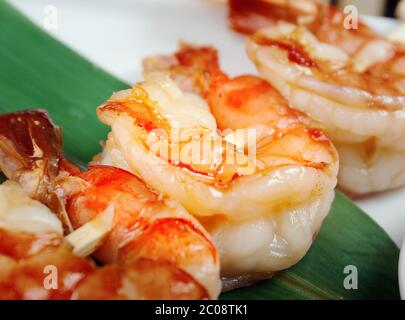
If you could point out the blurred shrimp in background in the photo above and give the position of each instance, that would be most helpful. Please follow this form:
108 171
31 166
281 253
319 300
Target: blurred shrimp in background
339 71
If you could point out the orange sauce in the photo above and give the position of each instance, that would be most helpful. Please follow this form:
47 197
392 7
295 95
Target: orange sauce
296 52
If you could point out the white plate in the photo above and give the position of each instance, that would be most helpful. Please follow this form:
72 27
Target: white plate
118 34
401 272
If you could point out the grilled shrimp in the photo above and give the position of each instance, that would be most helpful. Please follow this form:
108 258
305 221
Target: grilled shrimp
333 74
359 99
276 196
153 248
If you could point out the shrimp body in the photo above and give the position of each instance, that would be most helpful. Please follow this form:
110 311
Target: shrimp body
154 249
145 228
278 198
359 99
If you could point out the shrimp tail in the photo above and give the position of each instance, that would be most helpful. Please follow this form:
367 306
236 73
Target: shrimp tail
193 68
30 149
31 154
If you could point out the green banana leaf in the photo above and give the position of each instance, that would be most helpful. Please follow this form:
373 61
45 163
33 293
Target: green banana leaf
37 71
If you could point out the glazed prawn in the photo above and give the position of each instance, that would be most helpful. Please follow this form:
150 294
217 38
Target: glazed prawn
154 249
277 196
359 99
349 79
